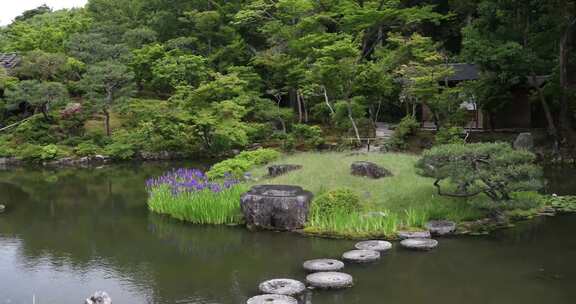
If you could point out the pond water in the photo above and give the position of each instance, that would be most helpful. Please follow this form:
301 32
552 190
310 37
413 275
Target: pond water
68 233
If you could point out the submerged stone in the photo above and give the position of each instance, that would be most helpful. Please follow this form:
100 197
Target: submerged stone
319 265
368 169
422 234
99 297
330 280
361 256
276 207
441 227
272 299
375 245
2 208
277 170
419 244
287 287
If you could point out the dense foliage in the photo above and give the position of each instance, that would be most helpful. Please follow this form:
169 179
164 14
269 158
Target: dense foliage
241 163
130 77
494 169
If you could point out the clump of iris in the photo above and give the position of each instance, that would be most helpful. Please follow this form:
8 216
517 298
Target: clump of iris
185 180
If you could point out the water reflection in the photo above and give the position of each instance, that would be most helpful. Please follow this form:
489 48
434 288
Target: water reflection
68 233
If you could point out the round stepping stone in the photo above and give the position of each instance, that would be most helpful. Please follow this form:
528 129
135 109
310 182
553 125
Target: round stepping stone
374 245
287 287
330 280
441 227
361 256
272 299
318 265
419 244
413 234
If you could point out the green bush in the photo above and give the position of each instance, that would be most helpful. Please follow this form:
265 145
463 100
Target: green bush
493 169
243 162
6 149
407 126
38 153
87 149
120 151
36 130
450 135
308 135
336 201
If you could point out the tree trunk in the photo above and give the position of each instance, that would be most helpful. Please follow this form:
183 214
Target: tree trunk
552 130
107 122
299 105
565 113
326 100
356 132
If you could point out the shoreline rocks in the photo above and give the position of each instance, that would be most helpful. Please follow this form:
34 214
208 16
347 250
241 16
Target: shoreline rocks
441 227
330 280
361 256
322 265
368 169
276 207
287 287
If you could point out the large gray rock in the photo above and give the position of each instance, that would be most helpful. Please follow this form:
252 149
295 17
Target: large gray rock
272 299
276 207
2 208
375 245
524 141
368 169
287 287
330 280
405 234
277 170
319 265
361 256
99 297
419 244
441 227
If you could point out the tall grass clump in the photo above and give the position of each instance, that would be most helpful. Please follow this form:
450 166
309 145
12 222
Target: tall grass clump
241 163
188 194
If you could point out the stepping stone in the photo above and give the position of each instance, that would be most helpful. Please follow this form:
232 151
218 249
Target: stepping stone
287 287
423 234
419 244
441 227
272 299
361 256
375 245
2 208
330 280
318 265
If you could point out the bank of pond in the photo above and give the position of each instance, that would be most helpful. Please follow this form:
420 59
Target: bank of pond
345 195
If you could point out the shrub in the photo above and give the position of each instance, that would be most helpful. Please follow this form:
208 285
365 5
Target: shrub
407 126
87 149
120 151
5 147
494 169
450 135
336 201
37 153
243 162
308 135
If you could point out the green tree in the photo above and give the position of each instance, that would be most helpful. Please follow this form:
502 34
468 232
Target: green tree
40 95
106 83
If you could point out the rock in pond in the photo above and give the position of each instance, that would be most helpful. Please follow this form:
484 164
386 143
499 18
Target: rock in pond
361 256
276 207
330 280
319 265
424 234
99 297
419 244
441 227
287 287
272 299
368 169
277 170
375 245
2 208
524 141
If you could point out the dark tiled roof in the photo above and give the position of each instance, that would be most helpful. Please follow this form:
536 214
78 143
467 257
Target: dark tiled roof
464 71
9 60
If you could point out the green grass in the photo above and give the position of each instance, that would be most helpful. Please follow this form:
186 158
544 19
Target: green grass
407 199
202 207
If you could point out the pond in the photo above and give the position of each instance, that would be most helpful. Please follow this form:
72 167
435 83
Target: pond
71 232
